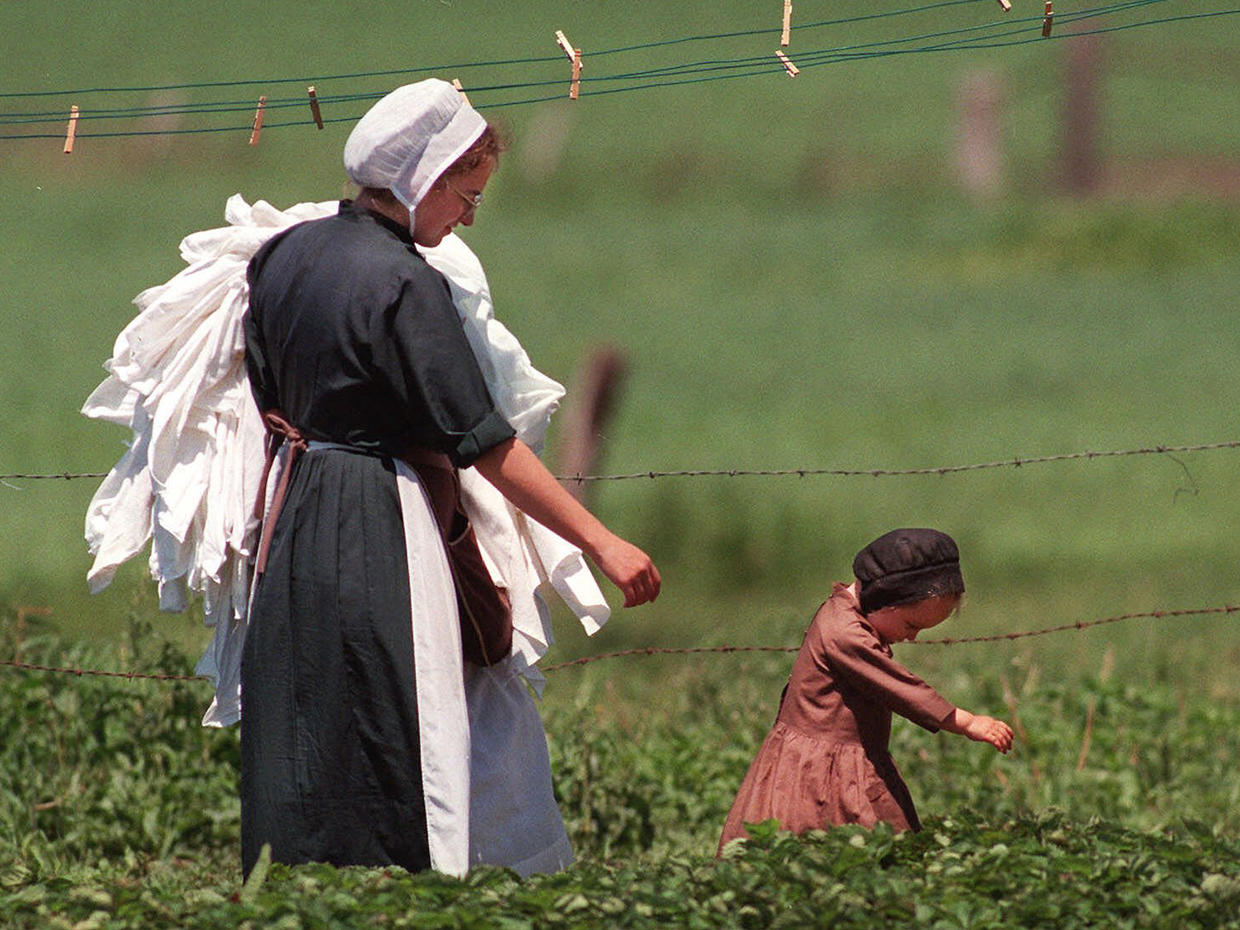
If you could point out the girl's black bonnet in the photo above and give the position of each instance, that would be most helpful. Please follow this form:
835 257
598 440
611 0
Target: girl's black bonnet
907 565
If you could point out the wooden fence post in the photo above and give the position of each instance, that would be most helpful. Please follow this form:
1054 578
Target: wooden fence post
1080 170
979 135
590 404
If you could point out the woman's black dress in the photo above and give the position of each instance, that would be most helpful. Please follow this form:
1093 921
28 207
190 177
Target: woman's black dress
354 337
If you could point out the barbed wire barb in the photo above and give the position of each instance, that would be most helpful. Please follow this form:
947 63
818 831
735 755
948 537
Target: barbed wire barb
1014 462
692 650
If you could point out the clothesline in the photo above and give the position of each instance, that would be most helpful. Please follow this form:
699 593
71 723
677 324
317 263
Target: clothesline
454 67
993 33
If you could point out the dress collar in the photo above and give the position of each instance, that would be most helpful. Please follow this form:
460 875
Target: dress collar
351 208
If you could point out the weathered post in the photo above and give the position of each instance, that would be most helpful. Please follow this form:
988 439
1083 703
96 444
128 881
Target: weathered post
979 134
1080 168
590 404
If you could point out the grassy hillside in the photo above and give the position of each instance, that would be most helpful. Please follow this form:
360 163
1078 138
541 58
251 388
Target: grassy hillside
795 282
785 263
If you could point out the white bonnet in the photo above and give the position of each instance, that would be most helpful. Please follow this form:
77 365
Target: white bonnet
406 140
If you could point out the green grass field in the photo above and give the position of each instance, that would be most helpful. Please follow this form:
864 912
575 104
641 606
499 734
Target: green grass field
795 282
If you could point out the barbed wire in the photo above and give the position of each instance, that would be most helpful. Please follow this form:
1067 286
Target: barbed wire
692 650
99 673
1013 462
1081 625
949 641
59 476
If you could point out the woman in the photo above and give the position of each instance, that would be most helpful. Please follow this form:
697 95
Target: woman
355 742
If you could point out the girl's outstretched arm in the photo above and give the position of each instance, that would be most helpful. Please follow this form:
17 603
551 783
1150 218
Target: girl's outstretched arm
977 727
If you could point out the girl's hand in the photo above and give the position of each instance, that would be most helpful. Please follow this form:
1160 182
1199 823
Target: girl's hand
980 728
990 730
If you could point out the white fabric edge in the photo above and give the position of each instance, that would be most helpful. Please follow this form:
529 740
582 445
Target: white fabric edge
443 720
462 131
527 398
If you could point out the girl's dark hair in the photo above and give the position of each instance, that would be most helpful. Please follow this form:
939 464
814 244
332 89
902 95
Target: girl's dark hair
943 587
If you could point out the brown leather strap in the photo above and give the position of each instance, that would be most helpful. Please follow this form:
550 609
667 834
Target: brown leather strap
279 431
485 609
417 456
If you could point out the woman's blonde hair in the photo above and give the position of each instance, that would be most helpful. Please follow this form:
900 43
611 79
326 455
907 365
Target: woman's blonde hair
489 145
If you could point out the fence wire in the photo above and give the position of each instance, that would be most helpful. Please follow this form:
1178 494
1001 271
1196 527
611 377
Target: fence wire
692 650
1017 461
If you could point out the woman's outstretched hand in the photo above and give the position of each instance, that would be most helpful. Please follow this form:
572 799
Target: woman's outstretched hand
980 728
518 474
629 569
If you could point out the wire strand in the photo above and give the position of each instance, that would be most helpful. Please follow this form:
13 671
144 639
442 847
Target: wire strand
463 66
1023 634
1014 462
691 650
992 34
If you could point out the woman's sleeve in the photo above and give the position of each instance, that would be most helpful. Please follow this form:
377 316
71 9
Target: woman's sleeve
423 351
858 658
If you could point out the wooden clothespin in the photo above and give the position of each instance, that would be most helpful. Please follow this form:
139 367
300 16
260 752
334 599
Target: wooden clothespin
1007 6
1047 20
460 89
71 132
314 106
786 37
258 120
574 55
792 69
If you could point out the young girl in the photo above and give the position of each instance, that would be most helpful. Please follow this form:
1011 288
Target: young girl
825 761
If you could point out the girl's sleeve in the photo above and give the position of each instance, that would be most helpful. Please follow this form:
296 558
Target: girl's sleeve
859 659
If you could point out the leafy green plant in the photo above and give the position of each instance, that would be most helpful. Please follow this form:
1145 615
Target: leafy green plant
104 769
1043 871
1116 808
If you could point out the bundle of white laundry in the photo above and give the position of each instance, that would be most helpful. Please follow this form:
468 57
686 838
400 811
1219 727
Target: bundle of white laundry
189 480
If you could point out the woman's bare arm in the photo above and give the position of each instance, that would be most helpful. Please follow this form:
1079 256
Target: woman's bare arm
521 477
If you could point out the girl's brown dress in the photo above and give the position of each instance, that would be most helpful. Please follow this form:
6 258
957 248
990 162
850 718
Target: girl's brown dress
825 761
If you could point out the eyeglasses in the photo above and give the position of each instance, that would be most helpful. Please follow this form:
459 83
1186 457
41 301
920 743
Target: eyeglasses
474 200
